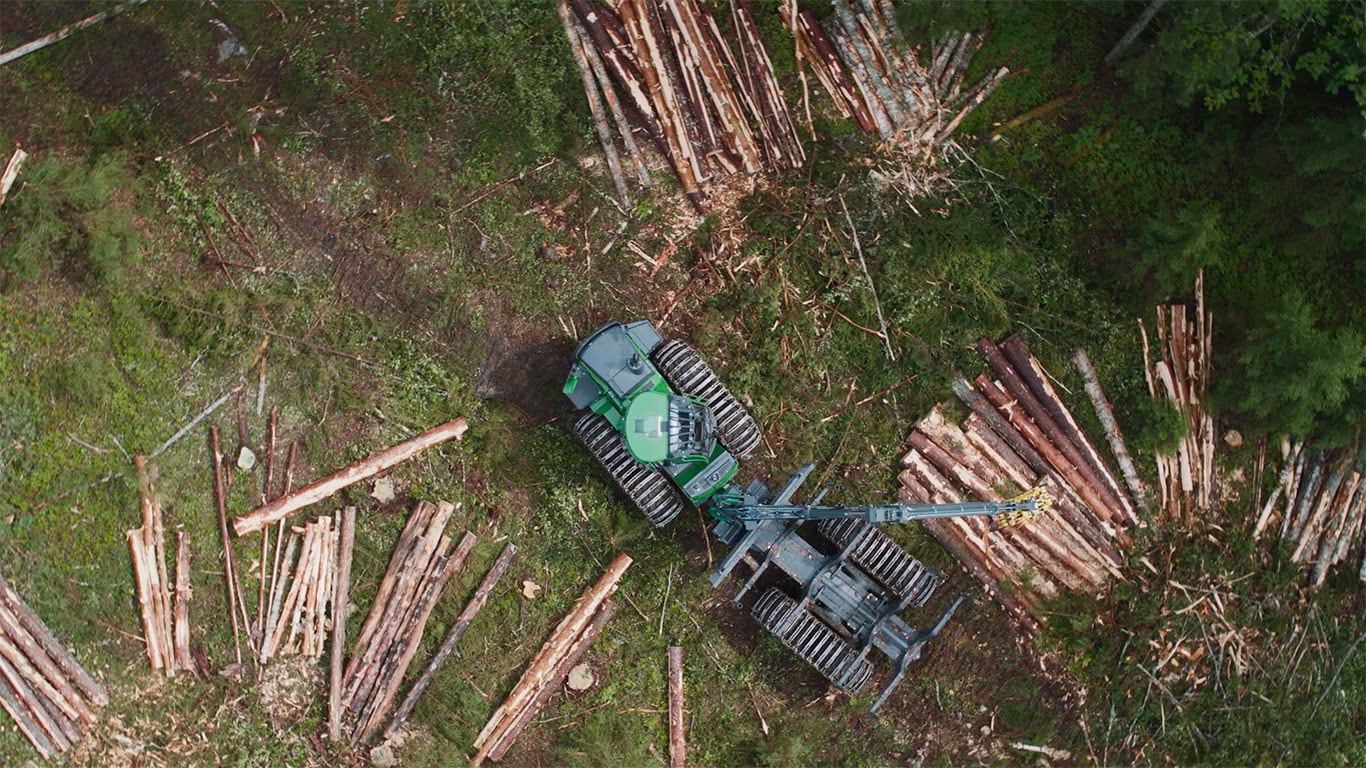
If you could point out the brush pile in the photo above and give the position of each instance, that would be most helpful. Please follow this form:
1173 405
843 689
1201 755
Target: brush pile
707 101
874 75
42 686
1020 435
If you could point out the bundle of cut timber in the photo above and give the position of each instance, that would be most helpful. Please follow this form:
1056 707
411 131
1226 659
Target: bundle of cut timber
1020 435
418 570
42 686
551 666
711 105
298 621
1321 501
1180 378
875 75
166 629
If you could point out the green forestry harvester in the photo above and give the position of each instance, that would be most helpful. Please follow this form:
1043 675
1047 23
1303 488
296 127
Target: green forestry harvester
669 433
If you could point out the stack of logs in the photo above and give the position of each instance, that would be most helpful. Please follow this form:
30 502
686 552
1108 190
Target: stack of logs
1180 378
711 109
421 564
1020 435
872 74
298 621
1321 500
551 665
166 626
42 686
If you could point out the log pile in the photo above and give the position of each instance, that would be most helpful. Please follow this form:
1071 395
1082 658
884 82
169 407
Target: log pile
462 622
707 101
551 665
421 564
1179 377
165 621
299 611
43 688
873 74
1020 435
1321 502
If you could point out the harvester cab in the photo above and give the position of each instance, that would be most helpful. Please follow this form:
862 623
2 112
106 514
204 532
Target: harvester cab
665 429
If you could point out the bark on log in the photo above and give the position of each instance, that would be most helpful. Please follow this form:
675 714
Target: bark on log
553 681
28 725
27 698
448 644
65 32
1092 504
340 600
595 107
229 562
1014 365
181 620
1106 414
611 42
539 671
277 599
49 643
595 63
11 628
321 489
426 549
677 737
406 642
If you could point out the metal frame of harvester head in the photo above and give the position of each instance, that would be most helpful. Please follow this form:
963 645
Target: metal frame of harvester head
666 430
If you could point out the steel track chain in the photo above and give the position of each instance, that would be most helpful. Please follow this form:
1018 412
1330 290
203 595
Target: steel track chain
689 374
647 488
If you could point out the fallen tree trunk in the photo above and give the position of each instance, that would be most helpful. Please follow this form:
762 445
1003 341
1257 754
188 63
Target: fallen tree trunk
677 736
541 669
321 489
472 608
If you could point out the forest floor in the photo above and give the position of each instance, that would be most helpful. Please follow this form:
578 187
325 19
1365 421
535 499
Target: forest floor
309 194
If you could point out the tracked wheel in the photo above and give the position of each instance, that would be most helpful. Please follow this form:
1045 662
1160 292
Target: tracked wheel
813 640
688 373
883 559
649 489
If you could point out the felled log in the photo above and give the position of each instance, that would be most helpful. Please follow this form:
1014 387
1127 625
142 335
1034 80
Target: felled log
554 680
341 597
677 737
595 105
65 32
539 677
1106 415
234 587
50 697
362 470
406 641
16 161
471 609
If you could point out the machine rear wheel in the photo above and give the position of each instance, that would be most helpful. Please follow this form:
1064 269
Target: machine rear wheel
649 489
688 373
883 559
813 640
